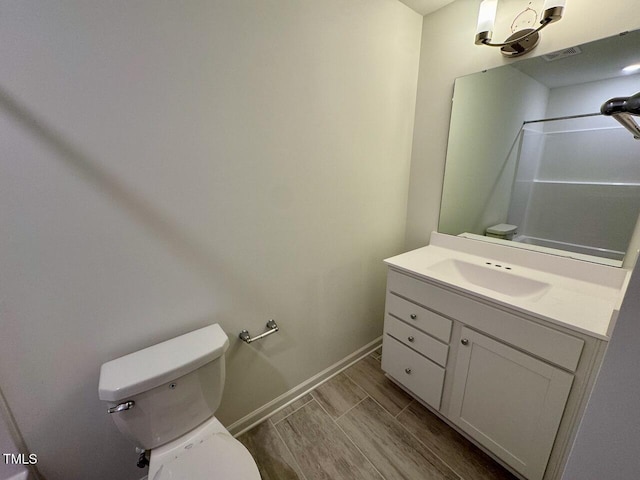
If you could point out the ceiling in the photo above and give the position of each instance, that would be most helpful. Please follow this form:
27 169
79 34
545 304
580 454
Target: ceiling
599 60
423 7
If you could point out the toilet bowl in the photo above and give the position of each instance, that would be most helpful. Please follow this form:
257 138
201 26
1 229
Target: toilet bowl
163 398
207 452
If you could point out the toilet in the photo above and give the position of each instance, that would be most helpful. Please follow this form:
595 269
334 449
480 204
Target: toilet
504 231
164 398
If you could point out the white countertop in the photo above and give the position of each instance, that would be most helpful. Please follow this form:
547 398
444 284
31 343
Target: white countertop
578 295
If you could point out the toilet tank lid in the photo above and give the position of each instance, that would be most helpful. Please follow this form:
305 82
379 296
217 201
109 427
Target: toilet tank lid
502 229
148 368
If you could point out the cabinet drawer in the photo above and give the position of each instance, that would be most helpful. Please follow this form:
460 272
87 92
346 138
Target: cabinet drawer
419 317
420 375
415 339
554 346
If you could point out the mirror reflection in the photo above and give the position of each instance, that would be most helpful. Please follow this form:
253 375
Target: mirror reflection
532 161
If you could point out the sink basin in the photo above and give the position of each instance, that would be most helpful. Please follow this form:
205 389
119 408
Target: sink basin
581 296
490 277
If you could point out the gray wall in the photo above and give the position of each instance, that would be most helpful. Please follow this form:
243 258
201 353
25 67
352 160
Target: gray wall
167 165
607 443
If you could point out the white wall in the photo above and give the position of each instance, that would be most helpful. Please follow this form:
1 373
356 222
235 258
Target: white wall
606 446
448 52
167 165
588 98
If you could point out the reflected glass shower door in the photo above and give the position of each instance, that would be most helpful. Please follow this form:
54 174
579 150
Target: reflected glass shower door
577 186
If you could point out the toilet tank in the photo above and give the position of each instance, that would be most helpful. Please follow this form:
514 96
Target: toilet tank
174 386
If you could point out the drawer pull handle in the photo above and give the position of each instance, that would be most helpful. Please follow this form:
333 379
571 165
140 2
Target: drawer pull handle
464 341
407 371
413 316
410 338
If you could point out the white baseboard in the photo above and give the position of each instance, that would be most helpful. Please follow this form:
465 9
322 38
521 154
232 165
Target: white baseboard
259 415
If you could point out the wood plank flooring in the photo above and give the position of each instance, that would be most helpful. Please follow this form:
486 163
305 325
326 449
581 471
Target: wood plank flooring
360 425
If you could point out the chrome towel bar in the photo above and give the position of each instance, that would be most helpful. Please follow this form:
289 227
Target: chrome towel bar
272 328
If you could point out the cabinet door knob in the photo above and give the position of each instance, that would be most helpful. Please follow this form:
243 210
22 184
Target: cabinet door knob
408 371
464 341
413 316
410 338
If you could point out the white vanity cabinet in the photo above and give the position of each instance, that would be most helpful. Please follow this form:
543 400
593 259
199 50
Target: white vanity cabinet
508 401
513 385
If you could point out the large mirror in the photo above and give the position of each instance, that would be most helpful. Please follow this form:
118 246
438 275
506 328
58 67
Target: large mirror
532 162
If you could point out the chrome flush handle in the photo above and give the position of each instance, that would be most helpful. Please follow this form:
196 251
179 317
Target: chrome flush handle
122 407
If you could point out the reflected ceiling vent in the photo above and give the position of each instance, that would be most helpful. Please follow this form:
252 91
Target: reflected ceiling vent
567 52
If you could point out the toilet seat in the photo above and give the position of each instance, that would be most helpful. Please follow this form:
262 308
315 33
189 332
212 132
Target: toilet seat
208 452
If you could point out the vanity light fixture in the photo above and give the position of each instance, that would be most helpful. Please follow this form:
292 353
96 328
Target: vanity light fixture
522 41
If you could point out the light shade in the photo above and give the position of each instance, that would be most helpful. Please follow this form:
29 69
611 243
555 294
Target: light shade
553 4
552 10
487 16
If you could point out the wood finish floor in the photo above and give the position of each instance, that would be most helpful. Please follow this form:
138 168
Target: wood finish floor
359 425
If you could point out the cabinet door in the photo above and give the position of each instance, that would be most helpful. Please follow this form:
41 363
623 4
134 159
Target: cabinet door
508 401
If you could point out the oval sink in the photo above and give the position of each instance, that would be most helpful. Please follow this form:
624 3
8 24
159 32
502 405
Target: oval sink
490 277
